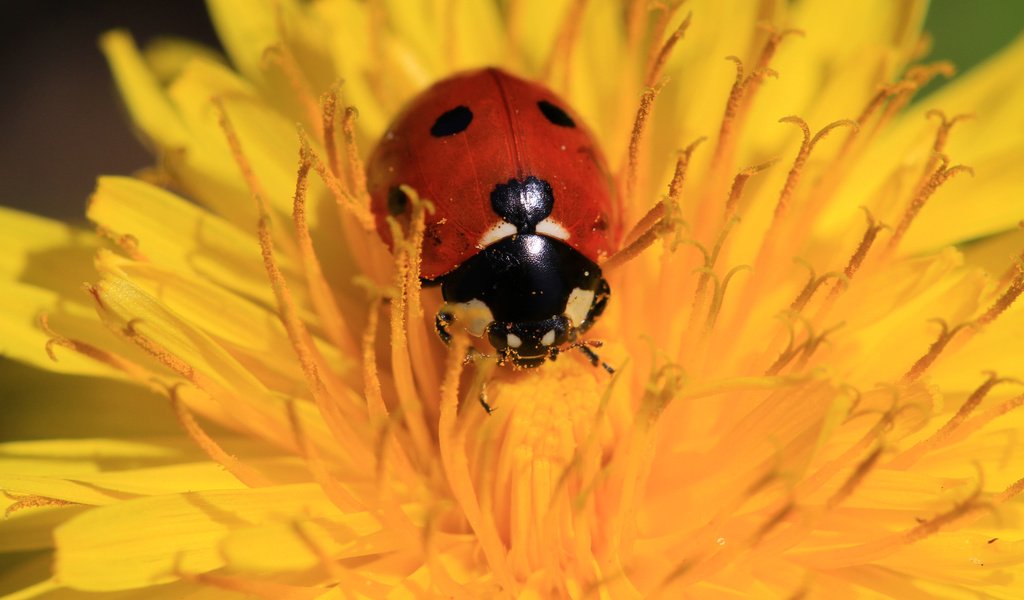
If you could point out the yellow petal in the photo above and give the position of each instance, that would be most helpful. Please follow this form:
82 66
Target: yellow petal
150 109
176 233
22 338
102 549
301 544
37 405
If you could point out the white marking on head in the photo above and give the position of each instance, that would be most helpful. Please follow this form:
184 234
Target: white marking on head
474 315
578 306
497 232
552 228
549 338
514 341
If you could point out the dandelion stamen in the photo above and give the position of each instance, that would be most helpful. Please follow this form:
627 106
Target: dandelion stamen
935 524
452 440
813 284
328 109
27 502
739 182
941 174
565 42
1011 491
916 77
628 173
88 350
657 61
774 521
908 457
346 201
675 187
126 242
808 144
407 256
241 471
718 297
1015 268
319 289
1012 292
319 378
860 472
741 96
356 173
376 409
281 55
945 336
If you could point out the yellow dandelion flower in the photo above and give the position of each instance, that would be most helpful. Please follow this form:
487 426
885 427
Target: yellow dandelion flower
815 323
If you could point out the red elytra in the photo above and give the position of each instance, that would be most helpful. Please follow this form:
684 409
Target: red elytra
510 136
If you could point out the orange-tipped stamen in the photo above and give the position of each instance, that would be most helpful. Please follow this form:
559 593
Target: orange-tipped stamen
661 226
910 456
628 174
310 360
813 284
915 78
1012 292
340 496
376 409
126 242
675 187
718 297
329 107
319 290
346 201
808 144
741 96
565 43
214 451
355 172
27 502
937 523
452 441
280 54
738 184
657 64
1012 491
407 252
941 174
88 350
945 336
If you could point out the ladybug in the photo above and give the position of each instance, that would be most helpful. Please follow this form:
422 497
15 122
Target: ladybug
522 200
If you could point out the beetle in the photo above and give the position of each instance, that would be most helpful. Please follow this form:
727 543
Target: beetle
522 200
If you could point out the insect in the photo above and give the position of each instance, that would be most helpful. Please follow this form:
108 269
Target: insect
522 201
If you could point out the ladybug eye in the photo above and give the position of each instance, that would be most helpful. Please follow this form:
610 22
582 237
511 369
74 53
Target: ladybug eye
556 115
397 201
452 122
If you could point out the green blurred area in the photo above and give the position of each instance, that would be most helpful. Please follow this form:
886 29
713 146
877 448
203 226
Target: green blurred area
966 32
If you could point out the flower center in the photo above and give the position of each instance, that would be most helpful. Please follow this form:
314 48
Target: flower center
545 451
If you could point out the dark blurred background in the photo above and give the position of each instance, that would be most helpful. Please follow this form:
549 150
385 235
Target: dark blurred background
61 125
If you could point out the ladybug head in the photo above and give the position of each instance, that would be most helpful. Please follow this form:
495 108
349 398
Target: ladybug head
529 344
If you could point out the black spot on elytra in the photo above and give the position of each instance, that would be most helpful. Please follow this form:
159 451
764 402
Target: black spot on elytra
432 234
397 201
555 114
452 122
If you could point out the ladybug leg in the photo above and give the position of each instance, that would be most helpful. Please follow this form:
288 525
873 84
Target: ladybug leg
484 366
593 357
442 322
482 398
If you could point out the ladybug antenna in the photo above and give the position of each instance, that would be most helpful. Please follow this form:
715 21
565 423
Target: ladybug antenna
586 347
